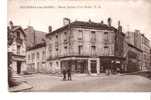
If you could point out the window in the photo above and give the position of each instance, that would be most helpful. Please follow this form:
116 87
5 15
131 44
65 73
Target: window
43 55
106 47
37 55
18 35
28 56
50 48
79 49
56 36
57 64
93 50
65 48
106 38
65 35
93 35
50 64
33 56
80 35
106 51
18 49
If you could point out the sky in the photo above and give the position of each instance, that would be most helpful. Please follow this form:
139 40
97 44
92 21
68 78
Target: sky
133 14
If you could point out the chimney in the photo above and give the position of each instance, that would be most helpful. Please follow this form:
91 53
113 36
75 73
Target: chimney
137 31
66 21
50 29
89 21
109 21
102 22
11 24
119 26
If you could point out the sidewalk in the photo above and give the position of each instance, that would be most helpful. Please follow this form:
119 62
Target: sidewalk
22 86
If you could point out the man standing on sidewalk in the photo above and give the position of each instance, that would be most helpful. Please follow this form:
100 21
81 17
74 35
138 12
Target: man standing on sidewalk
69 73
64 74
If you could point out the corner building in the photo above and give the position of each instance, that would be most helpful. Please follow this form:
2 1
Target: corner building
85 47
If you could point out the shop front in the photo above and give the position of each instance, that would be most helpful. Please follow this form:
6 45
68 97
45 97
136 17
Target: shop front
76 65
113 64
81 65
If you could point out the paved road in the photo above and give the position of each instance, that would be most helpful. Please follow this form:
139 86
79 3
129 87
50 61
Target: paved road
43 82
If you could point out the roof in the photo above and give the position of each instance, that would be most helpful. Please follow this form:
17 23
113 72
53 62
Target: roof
37 46
33 36
86 25
18 28
134 47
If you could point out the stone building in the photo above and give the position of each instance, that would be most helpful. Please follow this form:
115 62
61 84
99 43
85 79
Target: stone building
36 59
140 43
146 53
85 47
17 48
133 59
33 36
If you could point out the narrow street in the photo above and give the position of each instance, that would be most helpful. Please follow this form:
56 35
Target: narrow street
85 83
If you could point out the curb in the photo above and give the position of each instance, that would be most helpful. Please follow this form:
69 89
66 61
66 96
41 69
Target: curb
23 86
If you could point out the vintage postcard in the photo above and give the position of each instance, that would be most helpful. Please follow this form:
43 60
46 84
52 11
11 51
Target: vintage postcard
79 45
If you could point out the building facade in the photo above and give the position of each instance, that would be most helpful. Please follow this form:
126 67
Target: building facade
33 36
85 47
146 53
139 42
36 59
17 48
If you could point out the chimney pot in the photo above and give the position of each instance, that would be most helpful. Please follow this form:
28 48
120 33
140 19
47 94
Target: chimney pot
50 29
66 21
109 21
11 24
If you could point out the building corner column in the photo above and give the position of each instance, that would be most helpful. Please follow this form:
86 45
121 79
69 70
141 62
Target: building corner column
98 66
89 66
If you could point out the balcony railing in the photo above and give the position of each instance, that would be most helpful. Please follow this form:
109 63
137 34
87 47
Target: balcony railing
71 55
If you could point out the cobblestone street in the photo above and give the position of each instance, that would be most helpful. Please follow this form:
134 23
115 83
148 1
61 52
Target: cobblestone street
46 82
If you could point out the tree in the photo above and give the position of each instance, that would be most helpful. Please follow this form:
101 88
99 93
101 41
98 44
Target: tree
11 81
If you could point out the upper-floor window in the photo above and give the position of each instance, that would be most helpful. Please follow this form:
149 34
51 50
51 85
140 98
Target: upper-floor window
93 35
93 50
56 36
28 56
65 50
80 49
106 51
33 56
18 35
65 35
43 55
106 37
80 35
18 49
37 55
50 48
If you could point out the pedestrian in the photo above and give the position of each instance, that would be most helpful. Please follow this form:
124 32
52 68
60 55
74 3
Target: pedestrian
64 74
69 74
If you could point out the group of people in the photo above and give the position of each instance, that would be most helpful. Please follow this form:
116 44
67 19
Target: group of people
68 72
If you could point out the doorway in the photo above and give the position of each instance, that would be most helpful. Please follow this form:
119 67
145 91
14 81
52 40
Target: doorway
93 66
18 67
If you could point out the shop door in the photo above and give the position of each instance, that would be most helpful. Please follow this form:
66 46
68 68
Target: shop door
93 66
18 67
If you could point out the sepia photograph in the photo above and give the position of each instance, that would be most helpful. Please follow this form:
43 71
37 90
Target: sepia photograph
79 45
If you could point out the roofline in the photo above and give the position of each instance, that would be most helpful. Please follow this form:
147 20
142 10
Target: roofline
63 27
37 46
